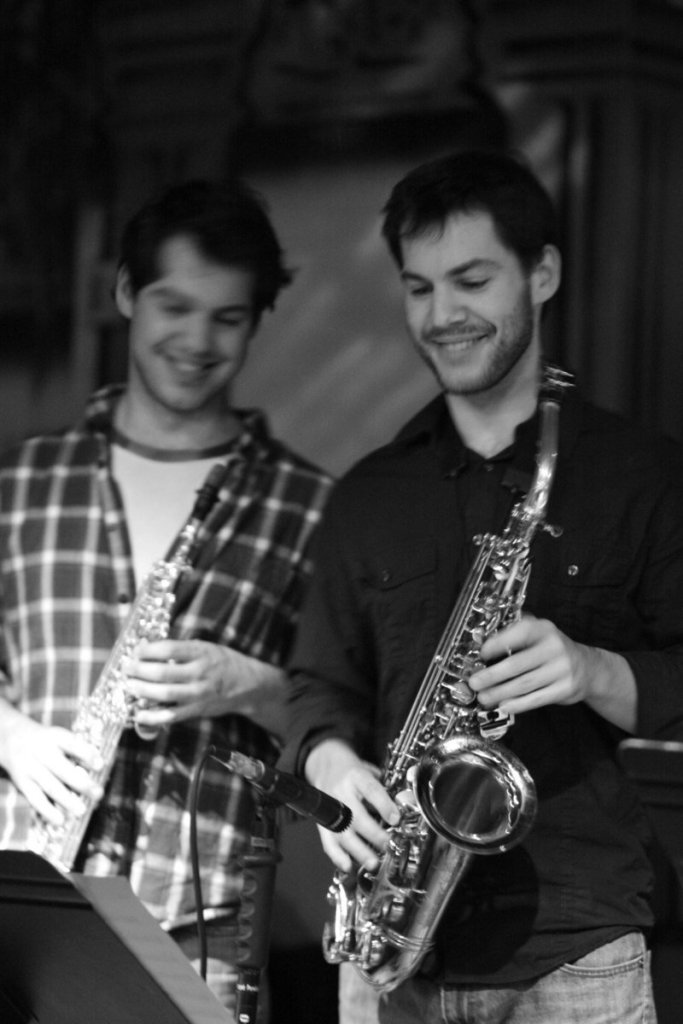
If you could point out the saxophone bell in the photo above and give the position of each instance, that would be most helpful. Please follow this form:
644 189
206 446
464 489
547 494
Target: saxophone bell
478 796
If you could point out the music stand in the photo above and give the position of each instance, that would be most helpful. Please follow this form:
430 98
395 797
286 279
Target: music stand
656 767
75 949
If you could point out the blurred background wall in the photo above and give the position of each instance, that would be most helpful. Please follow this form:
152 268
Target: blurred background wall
323 105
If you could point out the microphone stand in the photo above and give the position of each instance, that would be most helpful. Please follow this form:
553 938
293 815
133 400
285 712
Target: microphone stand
260 863
254 917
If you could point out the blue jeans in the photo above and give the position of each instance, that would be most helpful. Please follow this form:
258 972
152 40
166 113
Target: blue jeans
611 985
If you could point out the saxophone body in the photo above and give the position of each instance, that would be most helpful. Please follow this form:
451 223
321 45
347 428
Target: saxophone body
460 792
109 709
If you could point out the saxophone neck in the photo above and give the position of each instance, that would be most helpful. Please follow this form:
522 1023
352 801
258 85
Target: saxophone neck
183 547
553 385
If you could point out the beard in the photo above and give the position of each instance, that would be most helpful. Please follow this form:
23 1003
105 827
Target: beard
494 356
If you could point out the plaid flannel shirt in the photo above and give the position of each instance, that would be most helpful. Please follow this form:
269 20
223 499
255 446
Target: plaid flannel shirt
66 579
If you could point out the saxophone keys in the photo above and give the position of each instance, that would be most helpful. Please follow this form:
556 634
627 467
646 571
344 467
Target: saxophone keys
494 723
406 799
554 531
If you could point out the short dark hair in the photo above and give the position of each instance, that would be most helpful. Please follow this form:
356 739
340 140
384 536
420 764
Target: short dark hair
472 181
226 220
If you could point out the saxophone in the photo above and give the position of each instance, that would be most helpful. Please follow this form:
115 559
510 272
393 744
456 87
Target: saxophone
459 792
109 709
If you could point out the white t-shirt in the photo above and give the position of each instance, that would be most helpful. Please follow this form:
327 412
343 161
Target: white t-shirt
159 489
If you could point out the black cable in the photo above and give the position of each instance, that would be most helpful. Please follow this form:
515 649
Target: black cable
194 858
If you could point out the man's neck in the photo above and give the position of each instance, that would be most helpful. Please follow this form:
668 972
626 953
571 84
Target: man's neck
487 421
163 429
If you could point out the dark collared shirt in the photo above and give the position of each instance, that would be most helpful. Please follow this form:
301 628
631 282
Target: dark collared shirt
391 558
66 578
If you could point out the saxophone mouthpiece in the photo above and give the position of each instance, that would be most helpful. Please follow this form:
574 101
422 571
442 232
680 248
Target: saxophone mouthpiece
208 492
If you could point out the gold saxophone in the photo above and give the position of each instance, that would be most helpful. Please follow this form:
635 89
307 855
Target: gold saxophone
109 709
459 792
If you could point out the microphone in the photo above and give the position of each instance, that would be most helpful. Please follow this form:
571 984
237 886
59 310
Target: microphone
287 789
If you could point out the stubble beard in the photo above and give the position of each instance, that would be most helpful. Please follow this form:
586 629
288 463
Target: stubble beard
514 338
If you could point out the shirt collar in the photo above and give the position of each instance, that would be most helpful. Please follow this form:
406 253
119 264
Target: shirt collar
253 441
433 428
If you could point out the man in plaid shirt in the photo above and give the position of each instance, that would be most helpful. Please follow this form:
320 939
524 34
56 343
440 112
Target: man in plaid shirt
83 516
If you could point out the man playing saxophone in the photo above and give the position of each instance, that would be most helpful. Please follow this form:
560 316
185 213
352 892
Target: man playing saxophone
86 513
554 928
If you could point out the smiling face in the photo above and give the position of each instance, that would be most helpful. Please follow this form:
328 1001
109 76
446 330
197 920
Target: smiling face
188 333
472 311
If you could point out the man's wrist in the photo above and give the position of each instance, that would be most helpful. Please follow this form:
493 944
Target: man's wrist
610 687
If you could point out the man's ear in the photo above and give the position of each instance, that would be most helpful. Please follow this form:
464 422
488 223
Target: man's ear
546 275
124 292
